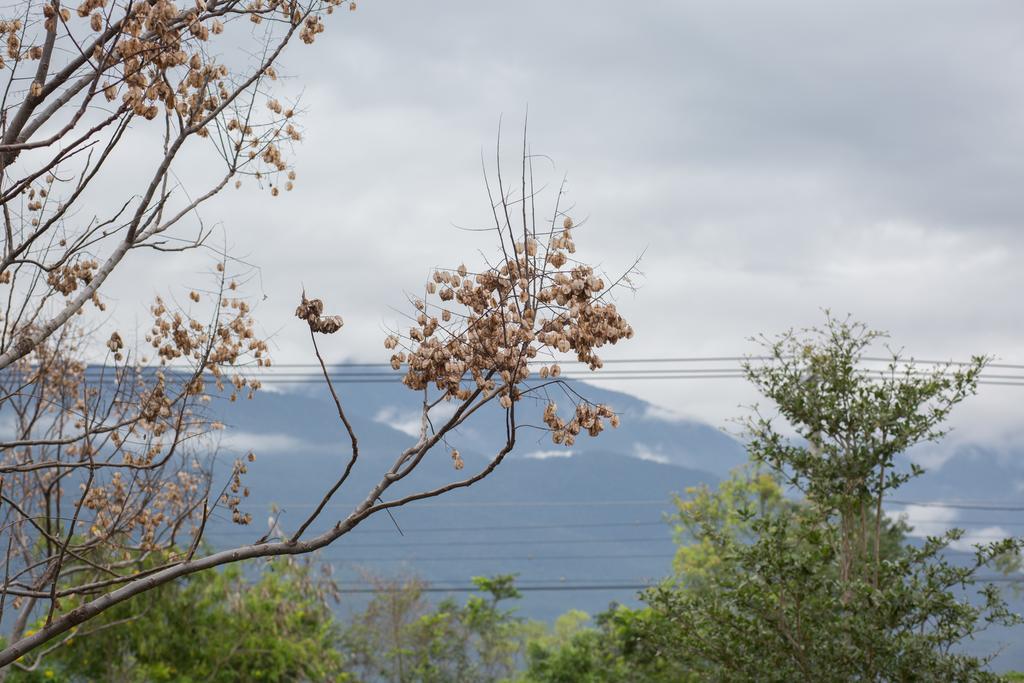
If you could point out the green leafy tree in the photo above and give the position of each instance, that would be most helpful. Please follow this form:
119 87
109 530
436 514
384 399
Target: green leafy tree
819 591
215 626
400 637
615 650
732 510
620 647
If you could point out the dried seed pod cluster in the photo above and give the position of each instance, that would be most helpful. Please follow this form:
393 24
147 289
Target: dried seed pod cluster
311 310
232 337
483 331
66 278
143 511
232 498
457 461
124 425
156 58
134 427
589 418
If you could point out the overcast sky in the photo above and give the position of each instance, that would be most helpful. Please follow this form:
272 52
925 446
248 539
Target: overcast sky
770 159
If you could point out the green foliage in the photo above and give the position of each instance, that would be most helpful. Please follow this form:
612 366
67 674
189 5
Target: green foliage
221 626
736 512
747 495
616 651
777 611
822 590
214 626
851 423
400 637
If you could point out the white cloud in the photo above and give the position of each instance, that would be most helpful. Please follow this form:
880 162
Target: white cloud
443 411
405 422
927 520
545 455
410 421
935 521
271 442
656 412
645 452
972 537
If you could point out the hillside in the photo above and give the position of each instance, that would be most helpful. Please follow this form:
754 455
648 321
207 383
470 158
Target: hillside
592 514
563 520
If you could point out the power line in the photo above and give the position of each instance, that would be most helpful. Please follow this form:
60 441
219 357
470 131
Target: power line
303 373
1000 579
273 373
525 558
270 378
594 587
632 373
588 587
521 589
963 523
341 379
593 379
573 373
615 361
501 503
380 373
958 506
518 558
397 545
462 529
411 532
652 501
461 580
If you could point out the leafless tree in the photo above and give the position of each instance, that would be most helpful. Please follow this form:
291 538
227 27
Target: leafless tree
80 87
490 336
106 485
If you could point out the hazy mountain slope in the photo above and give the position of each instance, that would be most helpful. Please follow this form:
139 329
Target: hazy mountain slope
306 412
595 517
590 514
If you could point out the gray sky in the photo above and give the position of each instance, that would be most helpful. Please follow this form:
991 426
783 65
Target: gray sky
771 158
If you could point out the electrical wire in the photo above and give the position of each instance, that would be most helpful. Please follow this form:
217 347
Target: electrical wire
378 373
958 505
521 589
505 527
495 558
